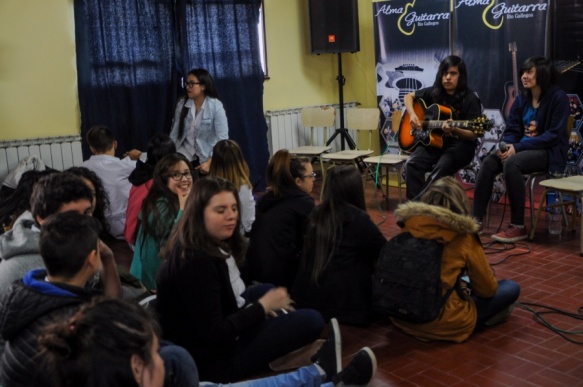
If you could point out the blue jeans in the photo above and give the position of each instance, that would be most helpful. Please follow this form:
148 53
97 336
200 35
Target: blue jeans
508 292
180 368
302 377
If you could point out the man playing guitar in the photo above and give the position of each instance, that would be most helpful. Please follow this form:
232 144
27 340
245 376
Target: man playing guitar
449 89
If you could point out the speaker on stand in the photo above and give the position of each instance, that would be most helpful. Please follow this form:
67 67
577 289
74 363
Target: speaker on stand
334 30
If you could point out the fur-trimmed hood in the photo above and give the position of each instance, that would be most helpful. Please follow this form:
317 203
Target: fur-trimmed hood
433 222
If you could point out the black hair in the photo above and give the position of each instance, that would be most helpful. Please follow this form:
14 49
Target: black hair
100 138
19 200
153 223
95 346
191 233
546 74
66 239
205 79
439 94
159 146
101 198
343 188
51 192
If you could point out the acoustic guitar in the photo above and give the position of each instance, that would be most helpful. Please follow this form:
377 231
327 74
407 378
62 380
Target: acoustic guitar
432 118
511 88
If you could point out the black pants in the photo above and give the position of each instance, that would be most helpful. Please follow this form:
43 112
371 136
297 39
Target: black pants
453 156
513 169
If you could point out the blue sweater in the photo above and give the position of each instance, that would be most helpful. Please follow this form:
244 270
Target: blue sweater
552 116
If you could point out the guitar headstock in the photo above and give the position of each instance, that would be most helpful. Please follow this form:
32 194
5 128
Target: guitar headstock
480 125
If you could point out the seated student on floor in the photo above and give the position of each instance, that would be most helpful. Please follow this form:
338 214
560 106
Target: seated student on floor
141 178
228 163
341 247
231 331
100 201
443 214
18 201
130 357
113 172
19 251
277 236
72 255
160 210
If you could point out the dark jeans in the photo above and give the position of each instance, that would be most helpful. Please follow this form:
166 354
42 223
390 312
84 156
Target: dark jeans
273 338
513 169
180 368
446 161
508 292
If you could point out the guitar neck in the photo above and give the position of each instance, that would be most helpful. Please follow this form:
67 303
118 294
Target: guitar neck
435 124
514 70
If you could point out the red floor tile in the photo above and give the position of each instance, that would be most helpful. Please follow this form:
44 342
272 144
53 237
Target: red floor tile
519 352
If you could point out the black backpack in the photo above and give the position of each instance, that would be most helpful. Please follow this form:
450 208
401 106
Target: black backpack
407 281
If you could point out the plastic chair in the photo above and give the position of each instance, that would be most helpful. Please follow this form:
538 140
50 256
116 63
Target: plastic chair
314 117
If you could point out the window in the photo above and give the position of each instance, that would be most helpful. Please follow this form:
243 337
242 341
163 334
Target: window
262 44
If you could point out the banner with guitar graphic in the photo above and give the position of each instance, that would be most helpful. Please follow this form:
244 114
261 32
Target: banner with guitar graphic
411 38
494 38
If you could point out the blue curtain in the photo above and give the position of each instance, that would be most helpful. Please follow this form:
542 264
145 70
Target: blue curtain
222 36
132 55
126 68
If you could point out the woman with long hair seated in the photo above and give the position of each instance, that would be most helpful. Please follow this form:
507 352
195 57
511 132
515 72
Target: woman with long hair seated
228 163
443 214
115 343
231 331
141 178
341 247
160 210
276 240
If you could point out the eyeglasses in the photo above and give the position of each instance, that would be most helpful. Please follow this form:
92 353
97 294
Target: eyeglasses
312 175
177 176
190 84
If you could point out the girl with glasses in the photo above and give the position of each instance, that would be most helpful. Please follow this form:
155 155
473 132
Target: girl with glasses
230 330
162 207
276 239
200 120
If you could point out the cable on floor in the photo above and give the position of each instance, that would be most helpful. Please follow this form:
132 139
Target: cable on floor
538 316
490 248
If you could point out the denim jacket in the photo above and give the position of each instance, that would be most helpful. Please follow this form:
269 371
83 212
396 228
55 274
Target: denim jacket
214 126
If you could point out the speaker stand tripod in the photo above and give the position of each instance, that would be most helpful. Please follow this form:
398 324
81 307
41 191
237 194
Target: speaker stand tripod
342 131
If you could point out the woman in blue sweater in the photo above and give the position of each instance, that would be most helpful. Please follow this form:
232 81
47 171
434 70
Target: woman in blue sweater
537 141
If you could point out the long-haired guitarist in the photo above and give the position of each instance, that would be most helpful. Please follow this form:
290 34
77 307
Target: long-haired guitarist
449 89
535 140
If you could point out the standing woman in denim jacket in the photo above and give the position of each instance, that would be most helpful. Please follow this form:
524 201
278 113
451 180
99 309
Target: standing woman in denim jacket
199 120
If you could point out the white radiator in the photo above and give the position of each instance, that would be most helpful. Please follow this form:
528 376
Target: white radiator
60 152
285 129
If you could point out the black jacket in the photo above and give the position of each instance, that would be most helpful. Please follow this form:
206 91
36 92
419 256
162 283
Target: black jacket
28 306
198 310
344 290
276 239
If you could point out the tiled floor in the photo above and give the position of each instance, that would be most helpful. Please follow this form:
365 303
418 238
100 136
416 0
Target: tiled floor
519 352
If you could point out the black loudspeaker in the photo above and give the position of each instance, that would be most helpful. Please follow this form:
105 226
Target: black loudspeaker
334 26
